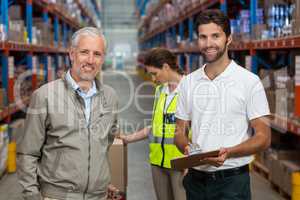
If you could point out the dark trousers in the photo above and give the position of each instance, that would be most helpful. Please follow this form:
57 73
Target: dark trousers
236 187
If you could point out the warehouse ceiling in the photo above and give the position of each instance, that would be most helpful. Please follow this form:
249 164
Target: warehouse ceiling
118 14
120 28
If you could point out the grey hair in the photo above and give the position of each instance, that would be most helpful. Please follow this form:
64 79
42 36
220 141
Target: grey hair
91 31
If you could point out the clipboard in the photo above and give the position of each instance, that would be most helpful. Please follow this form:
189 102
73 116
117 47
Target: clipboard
192 160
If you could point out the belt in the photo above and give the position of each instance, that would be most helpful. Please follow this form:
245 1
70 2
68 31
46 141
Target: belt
220 174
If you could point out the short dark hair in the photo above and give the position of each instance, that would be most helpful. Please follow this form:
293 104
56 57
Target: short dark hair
157 57
214 16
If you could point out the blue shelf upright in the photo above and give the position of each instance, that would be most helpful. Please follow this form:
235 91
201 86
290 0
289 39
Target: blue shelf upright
5 53
4 16
56 30
253 22
45 55
65 35
191 38
223 6
181 37
4 68
29 20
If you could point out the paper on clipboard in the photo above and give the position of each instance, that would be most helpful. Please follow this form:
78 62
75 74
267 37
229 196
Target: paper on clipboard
192 160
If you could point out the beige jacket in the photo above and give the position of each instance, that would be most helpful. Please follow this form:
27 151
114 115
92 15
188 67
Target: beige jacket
61 156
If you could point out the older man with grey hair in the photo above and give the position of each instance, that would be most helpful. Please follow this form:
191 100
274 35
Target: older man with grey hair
70 124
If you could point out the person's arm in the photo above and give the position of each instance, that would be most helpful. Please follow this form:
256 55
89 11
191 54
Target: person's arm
183 117
136 136
143 133
259 142
29 147
181 139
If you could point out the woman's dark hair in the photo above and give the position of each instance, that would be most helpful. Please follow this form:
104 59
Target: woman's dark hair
214 16
157 57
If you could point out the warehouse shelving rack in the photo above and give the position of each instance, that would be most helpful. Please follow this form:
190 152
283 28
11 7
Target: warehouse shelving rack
186 21
62 22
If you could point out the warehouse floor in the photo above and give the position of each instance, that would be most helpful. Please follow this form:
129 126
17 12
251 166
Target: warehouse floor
139 175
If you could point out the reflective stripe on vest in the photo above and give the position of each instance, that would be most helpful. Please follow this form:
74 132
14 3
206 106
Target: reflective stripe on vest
162 148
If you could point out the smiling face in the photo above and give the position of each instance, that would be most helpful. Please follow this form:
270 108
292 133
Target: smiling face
87 57
213 42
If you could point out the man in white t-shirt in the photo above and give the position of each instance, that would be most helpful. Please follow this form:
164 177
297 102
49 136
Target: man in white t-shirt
223 103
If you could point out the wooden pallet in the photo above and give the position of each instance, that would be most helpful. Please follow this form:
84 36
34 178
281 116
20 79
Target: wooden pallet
282 193
2 176
261 169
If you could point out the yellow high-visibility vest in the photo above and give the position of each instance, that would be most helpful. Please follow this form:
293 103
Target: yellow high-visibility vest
162 148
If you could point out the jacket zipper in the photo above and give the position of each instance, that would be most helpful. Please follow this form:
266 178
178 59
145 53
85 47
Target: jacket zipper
163 135
89 151
89 160
164 130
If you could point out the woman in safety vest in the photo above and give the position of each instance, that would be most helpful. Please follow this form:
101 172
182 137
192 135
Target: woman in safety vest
162 65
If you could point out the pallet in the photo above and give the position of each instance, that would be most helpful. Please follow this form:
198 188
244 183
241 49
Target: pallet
261 170
282 193
2 176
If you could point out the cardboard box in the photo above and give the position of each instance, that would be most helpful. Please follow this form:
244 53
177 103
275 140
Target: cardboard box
118 165
3 98
275 170
16 31
285 99
257 31
281 107
281 173
15 12
296 26
286 154
296 13
264 158
267 78
3 149
267 158
288 168
271 96
281 77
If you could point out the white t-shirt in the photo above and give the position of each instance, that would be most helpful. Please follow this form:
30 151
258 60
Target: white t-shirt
220 110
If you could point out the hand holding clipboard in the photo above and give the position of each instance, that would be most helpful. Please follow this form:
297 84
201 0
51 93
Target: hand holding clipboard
195 158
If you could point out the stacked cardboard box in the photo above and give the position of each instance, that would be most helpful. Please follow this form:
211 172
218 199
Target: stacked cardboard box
46 35
258 31
3 98
3 148
15 12
16 32
267 78
284 91
118 167
283 165
264 158
169 12
296 18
